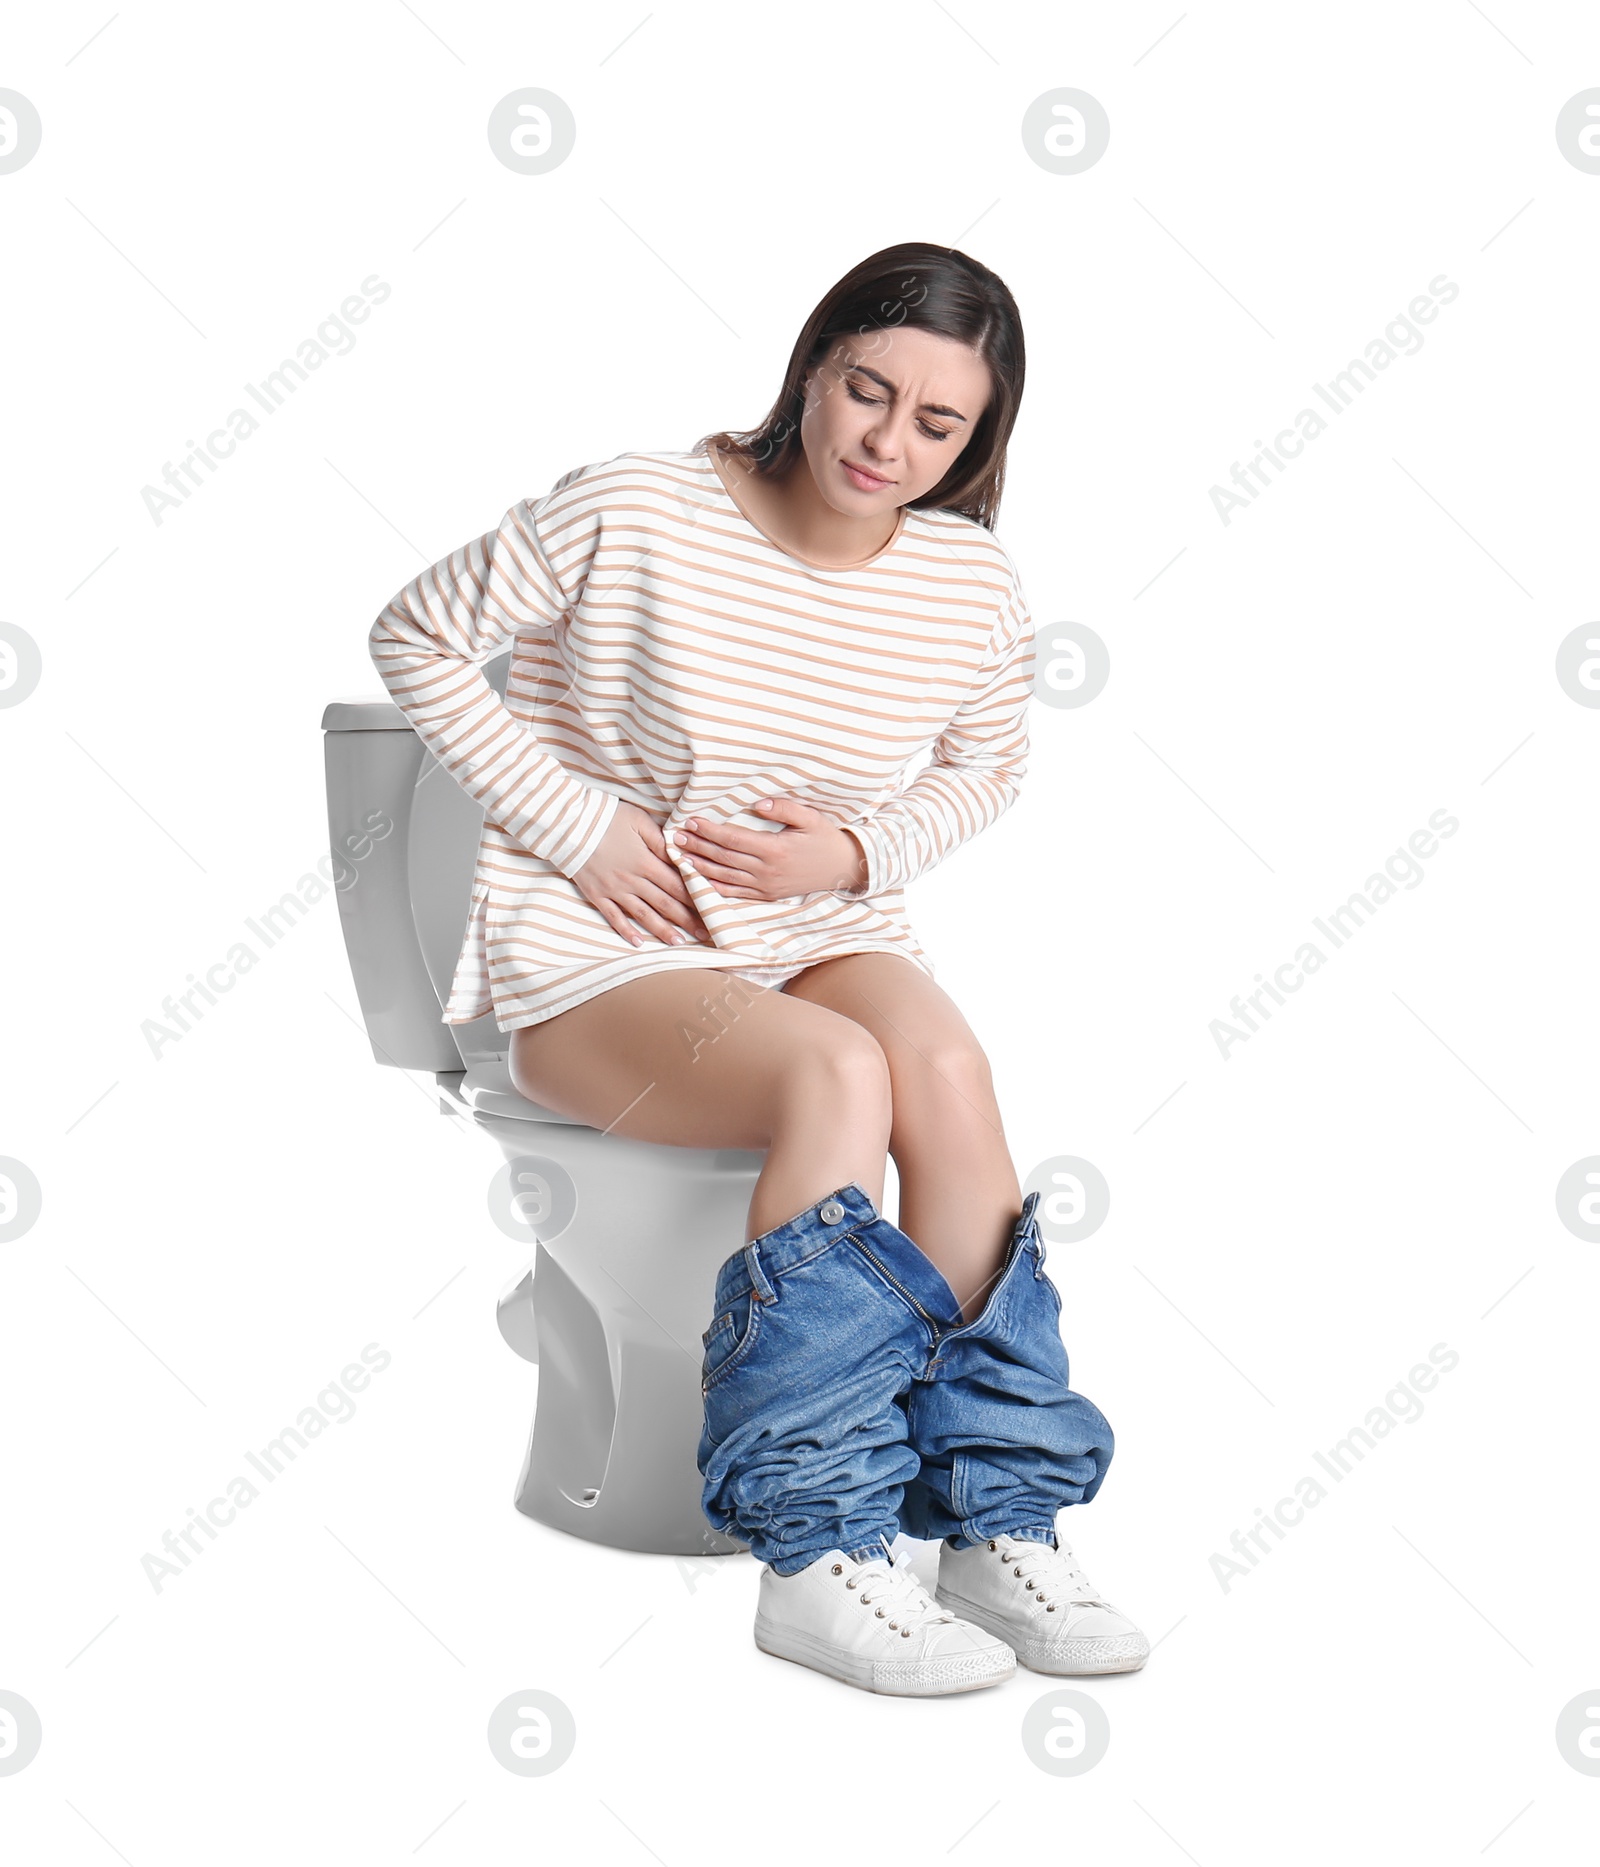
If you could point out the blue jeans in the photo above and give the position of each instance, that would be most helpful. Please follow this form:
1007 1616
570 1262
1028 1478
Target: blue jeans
845 1399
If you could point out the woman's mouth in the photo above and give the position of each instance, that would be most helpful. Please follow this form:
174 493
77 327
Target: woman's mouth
859 476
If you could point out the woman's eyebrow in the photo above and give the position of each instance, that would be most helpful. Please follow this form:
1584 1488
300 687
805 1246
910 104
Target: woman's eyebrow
883 382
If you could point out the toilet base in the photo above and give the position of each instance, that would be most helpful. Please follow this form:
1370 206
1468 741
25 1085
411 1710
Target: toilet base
611 1454
612 1311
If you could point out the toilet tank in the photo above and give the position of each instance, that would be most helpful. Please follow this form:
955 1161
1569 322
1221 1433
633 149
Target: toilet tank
404 892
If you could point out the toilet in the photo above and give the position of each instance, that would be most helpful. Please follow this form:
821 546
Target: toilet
629 1234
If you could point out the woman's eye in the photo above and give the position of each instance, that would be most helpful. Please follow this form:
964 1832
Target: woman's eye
872 401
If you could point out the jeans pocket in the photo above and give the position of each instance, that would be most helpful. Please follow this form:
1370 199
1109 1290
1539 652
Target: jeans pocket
730 1338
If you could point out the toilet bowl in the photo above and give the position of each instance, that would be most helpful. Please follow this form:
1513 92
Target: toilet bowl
629 1235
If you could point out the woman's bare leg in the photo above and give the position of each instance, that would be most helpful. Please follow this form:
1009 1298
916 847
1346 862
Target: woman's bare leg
699 1058
959 1193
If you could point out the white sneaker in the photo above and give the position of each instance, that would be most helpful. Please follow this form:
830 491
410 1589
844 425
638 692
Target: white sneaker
873 1625
1036 1598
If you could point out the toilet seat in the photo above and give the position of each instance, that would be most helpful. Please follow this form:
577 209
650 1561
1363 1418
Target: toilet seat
487 1089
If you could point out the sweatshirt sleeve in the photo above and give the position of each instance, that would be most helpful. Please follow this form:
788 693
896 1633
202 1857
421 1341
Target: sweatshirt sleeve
427 646
975 771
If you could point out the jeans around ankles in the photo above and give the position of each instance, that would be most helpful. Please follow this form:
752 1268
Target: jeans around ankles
845 1399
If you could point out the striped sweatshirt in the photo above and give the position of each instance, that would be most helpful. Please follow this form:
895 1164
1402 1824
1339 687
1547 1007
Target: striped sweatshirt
667 652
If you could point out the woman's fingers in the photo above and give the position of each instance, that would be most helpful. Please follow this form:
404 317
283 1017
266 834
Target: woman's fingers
634 918
727 836
664 873
730 881
669 883
703 849
658 918
617 921
679 908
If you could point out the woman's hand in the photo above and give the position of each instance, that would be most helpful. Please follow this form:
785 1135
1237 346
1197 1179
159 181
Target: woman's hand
812 853
630 875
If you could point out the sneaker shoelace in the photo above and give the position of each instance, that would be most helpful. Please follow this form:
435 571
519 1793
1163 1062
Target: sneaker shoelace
1050 1572
890 1583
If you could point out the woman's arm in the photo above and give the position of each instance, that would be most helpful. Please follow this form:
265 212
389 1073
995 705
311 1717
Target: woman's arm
974 774
426 646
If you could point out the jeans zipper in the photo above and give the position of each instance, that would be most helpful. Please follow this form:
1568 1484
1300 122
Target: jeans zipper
895 1282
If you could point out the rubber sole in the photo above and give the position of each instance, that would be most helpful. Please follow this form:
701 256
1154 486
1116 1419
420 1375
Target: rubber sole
1069 1659
923 1678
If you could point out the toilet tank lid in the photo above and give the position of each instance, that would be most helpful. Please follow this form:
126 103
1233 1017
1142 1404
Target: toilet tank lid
358 715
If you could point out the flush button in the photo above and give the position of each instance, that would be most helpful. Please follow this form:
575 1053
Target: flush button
832 1212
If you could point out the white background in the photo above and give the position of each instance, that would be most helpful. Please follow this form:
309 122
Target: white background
1291 696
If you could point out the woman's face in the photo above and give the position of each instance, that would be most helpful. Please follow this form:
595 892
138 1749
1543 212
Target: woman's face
899 405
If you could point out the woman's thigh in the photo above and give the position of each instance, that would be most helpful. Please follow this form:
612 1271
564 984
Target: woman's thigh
694 1058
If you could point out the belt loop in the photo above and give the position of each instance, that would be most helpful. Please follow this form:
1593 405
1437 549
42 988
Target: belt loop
1028 1225
1037 1243
758 1277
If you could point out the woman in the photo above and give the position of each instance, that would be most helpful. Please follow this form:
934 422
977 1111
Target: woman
724 660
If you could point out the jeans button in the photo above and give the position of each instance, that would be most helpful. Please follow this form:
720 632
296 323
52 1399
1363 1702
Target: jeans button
831 1212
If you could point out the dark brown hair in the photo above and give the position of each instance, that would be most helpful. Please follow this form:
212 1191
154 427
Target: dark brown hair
919 287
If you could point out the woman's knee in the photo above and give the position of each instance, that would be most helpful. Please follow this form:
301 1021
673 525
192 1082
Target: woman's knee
950 1076
845 1073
